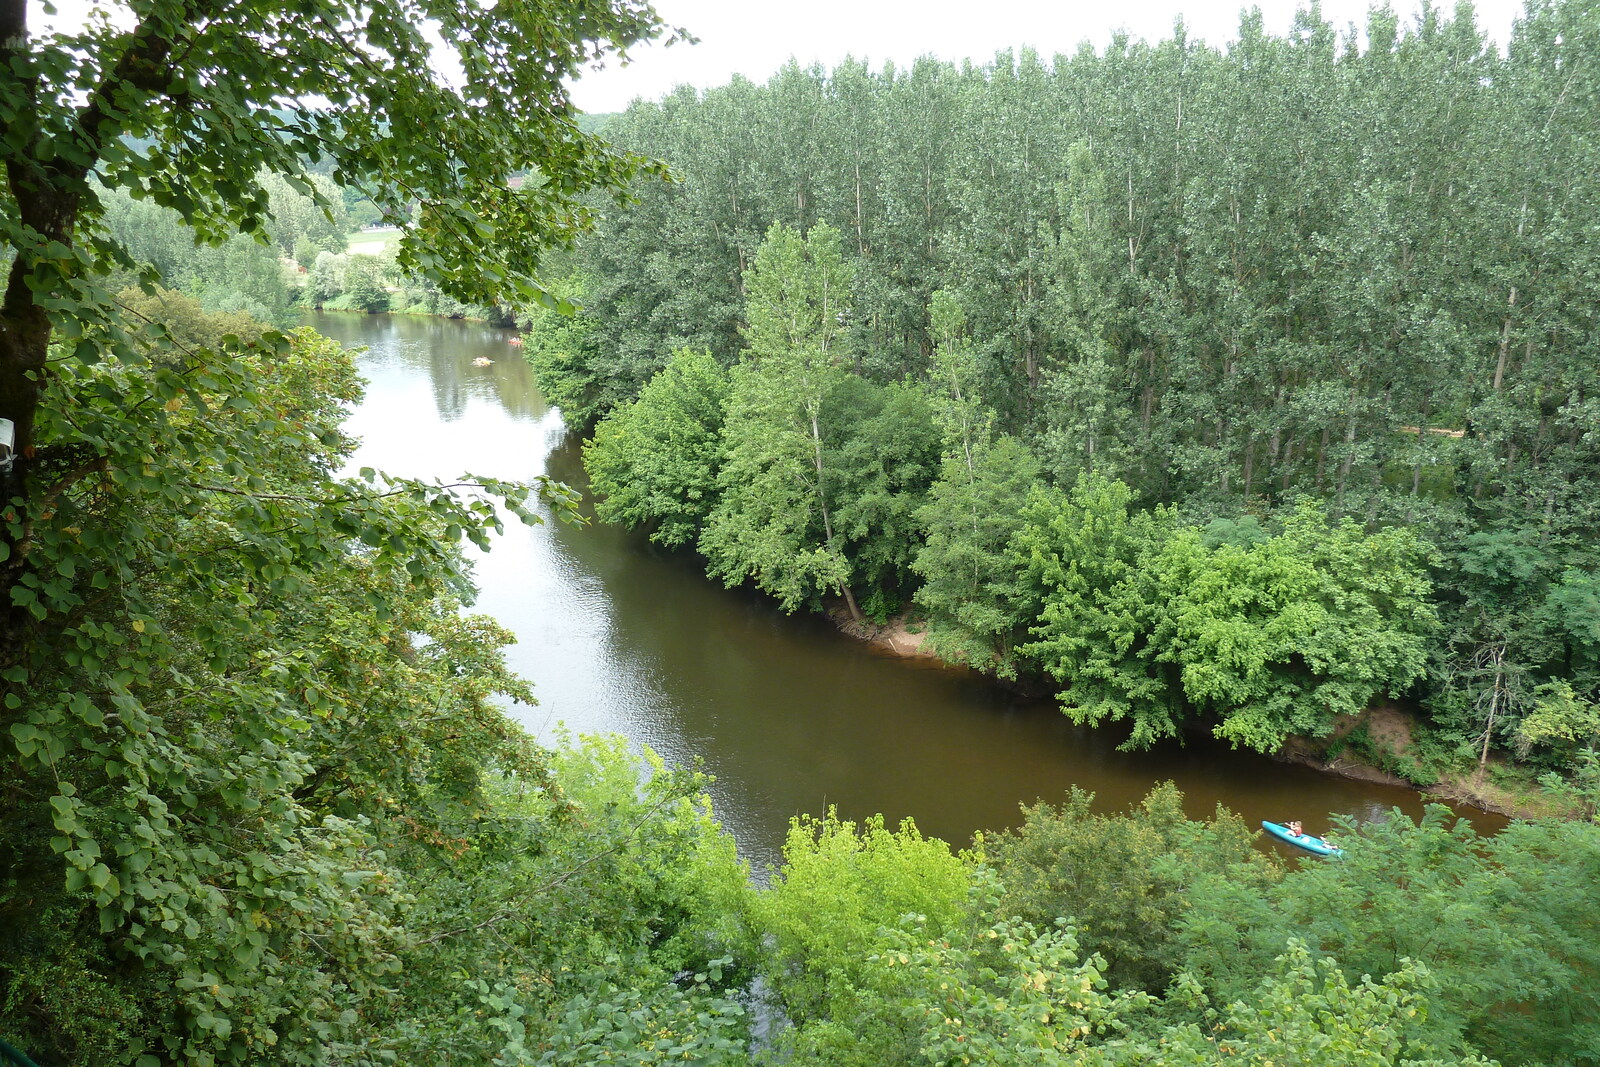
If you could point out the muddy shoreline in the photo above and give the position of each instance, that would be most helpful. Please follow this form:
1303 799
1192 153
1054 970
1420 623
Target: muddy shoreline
1387 723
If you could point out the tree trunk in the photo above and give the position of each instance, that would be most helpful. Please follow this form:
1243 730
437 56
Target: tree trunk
1249 463
47 184
1322 458
1497 656
1224 464
24 344
24 325
1147 402
827 518
850 602
1132 247
861 232
1505 340
1349 450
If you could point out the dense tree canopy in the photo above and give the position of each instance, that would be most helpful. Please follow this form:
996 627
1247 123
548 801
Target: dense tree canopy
774 522
1350 269
1124 880
654 461
1505 925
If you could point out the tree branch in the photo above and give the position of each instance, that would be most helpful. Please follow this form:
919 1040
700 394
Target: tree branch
302 499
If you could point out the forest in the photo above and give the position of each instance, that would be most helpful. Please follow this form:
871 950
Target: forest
1221 388
262 802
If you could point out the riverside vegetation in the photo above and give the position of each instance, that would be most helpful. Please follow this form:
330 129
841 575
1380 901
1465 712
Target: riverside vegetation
1231 387
261 804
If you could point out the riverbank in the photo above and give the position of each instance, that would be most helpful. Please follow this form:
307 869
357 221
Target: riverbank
898 637
1362 748
413 311
1368 747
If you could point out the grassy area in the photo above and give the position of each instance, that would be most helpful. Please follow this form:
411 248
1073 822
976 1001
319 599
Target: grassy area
372 242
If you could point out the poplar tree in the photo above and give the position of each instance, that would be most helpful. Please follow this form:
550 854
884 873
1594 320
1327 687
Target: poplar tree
774 522
973 511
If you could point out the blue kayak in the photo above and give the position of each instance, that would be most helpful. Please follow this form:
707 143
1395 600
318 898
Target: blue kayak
1305 841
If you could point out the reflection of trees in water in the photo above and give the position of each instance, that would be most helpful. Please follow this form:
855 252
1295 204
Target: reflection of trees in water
353 330
513 383
444 349
451 345
444 370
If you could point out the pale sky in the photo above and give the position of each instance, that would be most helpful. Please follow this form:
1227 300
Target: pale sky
756 37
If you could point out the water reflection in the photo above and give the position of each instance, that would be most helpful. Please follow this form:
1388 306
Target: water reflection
442 352
619 636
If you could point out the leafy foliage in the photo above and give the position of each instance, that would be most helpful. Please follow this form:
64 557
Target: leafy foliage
239 695
1505 925
841 889
262 802
882 452
232 696
1008 992
563 351
594 914
1522 664
1091 560
285 798
654 461
241 276
1122 881
1354 271
1305 1011
773 522
972 513
1273 638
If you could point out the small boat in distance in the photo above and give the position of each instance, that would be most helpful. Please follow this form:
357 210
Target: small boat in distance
1306 841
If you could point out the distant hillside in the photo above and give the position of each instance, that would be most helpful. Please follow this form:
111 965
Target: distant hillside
595 123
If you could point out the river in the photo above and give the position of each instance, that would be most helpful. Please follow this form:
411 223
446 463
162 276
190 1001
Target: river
788 715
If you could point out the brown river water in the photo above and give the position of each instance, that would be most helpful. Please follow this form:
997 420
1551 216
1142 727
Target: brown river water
789 715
